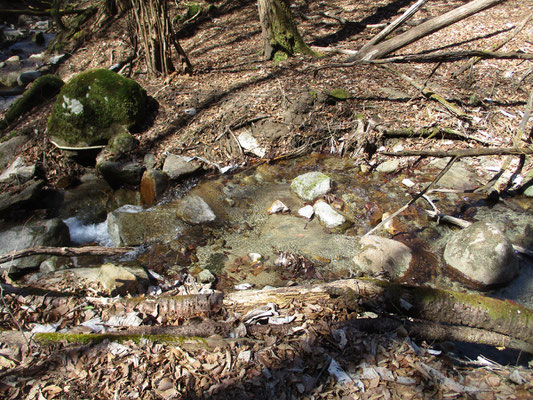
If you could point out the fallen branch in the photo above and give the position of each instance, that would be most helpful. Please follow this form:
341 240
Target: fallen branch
66 252
428 92
453 56
424 29
436 131
460 153
393 25
496 47
415 198
436 305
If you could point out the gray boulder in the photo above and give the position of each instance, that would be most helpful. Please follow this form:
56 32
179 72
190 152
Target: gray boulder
483 254
52 232
18 172
27 197
383 257
9 149
311 185
177 167
119 174
133 226
194 210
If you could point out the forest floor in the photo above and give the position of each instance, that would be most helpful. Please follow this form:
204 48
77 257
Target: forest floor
232 88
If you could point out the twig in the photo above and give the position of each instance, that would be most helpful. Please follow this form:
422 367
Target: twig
414 199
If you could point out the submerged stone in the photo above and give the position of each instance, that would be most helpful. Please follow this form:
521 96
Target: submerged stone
311 185
327 215
483 254
383 257
94 106
194 210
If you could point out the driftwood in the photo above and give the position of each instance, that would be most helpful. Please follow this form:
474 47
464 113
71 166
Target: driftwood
66 252
461 153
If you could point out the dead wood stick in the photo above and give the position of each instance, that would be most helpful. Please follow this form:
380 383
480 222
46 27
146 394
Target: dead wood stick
394 25
452 56
429 93
66 252
436 305
461 153
446 133
434 331
497 46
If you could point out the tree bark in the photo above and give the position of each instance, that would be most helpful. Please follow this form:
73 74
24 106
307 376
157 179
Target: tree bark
436 305
155 31
281 38
424 29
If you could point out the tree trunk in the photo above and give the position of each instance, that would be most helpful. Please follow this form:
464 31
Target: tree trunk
281 38
424 29
155 31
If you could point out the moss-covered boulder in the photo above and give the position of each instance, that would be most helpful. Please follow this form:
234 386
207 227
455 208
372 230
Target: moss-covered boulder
94 106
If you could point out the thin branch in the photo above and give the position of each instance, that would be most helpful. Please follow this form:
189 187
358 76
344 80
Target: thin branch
414 199
67 252
461 153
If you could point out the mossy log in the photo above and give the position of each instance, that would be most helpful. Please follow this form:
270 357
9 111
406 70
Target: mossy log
436 305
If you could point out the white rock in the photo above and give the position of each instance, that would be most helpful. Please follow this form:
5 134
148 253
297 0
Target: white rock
306 211
249 143
408 182
327 215
311 185
243 286
255 257
13 59
276 207
388 166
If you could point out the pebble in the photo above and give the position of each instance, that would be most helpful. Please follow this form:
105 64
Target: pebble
277 207
306 212
327 215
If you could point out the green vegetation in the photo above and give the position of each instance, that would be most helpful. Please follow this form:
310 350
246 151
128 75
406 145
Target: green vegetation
44 88
94 106
88 338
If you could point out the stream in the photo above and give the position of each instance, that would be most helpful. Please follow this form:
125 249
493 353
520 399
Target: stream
245 246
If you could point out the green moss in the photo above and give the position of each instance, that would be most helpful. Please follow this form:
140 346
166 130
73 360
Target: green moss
339 94
280 56
93 105
92 338
43 88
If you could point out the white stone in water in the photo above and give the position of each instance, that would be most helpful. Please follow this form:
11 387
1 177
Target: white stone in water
276 207
255 257
311 185
327 215
388 166
306 211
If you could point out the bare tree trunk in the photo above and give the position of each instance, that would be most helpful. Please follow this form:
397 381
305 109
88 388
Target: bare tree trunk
281 38
156 36
427 28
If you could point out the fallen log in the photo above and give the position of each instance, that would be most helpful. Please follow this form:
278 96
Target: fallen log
436 305
66 252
